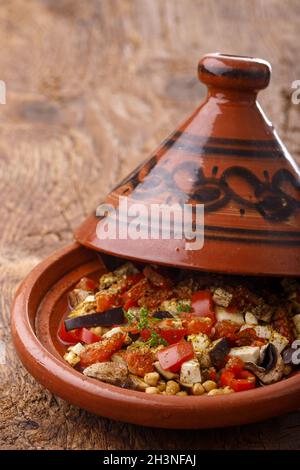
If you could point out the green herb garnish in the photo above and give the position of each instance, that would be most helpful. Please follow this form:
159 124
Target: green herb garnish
144 320
156 340
130 315
183 307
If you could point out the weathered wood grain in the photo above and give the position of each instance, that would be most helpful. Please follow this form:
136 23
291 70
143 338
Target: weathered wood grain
92 87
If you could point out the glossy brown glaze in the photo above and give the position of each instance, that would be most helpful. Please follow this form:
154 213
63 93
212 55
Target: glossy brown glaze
39 305
228 157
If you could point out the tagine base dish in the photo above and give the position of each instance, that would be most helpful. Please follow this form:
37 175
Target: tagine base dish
39 305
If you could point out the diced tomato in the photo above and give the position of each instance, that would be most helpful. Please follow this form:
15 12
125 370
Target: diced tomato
146 334
227 329
86 336
173 335
65 336
133 279
130 297
105 301
235 377
129 303
226 378
213 374
86 283
202 304
102 351
196 325
246 381
235 365
248 337
157 279
139 362
82 335
171 357
132 328
232 308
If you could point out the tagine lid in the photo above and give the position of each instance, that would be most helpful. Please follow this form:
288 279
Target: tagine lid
228 158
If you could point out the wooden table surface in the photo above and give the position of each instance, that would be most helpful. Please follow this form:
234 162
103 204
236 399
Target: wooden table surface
92 87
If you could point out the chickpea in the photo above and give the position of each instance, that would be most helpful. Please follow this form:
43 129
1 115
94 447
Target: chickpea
209 385
198 389
172 387
151 378
227 390
215 391
183 393
161 386
152 390
97 330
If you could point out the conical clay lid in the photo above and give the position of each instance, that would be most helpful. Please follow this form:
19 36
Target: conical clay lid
228 159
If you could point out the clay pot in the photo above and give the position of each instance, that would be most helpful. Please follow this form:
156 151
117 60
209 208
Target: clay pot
228 157
39 306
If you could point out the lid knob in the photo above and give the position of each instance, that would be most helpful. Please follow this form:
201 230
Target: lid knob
232 71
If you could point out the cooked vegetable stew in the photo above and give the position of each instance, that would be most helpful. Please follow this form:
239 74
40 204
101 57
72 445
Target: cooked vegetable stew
181 332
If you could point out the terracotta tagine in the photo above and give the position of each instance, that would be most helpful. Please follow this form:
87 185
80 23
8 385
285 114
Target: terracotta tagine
228 157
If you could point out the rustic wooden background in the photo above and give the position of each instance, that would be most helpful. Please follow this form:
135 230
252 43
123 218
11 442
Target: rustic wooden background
92 87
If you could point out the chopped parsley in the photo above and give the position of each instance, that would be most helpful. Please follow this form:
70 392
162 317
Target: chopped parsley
183 307
144 320
156 340
130 315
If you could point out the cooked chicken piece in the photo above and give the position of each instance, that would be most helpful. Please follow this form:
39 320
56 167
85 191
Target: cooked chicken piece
110 372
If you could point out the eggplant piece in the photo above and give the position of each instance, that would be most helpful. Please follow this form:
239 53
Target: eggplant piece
163 314
271 368
165 373
136 383
218 352
114 316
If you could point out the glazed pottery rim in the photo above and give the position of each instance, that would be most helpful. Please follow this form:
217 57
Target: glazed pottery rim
29 347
